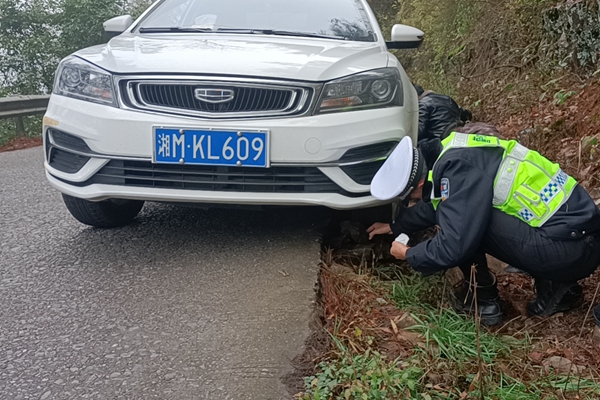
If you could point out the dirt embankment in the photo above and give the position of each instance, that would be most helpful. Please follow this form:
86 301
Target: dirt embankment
561 120
21 143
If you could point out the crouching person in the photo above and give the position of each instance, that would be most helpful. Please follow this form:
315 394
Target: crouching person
493 196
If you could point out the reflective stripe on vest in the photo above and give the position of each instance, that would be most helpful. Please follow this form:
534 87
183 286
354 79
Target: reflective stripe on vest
527 185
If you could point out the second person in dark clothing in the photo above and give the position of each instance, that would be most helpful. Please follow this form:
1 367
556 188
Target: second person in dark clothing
439 115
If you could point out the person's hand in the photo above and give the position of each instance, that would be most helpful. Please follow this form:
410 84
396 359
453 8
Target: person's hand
399 250
379 228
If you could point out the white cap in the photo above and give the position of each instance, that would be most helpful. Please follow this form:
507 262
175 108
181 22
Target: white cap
397 173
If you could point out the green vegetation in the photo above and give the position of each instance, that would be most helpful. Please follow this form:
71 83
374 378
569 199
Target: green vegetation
33 128
454 337
478 363
36 34
561 96
447 25
410 291
366 376
474 49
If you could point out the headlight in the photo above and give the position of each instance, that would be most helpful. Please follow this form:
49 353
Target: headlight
82 80
372 89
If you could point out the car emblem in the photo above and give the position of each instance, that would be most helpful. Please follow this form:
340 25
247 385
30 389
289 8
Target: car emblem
214 96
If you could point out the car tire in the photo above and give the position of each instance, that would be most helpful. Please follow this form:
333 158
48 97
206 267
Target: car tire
103 214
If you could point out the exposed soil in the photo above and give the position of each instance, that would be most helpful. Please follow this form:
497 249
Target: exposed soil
354 305
566 335
565 128
21 143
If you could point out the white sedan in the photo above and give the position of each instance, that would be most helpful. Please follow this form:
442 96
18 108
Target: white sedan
259 102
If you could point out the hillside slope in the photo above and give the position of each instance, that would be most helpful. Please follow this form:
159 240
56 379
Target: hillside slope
532 67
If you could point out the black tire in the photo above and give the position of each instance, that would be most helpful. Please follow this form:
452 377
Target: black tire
103 214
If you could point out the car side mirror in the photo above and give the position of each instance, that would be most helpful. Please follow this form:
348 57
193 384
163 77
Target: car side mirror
405 37
117 25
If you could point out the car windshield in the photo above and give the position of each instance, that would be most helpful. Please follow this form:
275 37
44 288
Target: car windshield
335 19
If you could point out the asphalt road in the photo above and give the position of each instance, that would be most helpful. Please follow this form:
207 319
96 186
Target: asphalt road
183 304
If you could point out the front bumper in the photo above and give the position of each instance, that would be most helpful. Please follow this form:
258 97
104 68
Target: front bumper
103 192
118 142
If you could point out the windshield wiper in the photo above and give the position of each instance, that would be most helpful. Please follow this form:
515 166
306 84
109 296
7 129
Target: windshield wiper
173 29
240 31
279 33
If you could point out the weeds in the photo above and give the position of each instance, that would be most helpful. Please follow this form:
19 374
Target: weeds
366 376
573 384
411 291
453 337
33 128
561 96
407 292
443 360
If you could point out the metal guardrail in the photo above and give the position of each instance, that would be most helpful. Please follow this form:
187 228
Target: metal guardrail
18 107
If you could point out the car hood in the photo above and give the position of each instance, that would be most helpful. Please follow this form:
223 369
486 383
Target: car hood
305 59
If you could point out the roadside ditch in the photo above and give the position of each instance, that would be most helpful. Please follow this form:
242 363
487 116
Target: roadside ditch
381 331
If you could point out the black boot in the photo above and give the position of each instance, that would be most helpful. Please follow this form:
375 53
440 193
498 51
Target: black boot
554 297
489 305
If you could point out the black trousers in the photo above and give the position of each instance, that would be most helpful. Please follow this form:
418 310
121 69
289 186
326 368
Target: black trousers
515 242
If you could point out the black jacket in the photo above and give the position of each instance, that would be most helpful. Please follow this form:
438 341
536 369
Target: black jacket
439 115
464 216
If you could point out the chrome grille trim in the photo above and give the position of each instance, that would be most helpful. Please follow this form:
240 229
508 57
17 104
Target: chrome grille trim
301 99
177 96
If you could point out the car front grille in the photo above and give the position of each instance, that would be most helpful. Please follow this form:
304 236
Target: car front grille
212 178
209 99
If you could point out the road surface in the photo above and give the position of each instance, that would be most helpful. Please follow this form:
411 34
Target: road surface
183 304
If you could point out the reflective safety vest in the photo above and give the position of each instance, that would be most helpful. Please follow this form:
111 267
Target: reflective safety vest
527 185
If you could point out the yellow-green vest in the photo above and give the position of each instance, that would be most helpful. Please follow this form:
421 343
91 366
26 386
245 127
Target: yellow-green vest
527 185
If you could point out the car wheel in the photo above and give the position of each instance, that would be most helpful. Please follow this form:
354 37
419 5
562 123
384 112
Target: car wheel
103 214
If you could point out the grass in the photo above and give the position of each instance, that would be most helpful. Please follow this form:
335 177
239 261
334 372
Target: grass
407 292
366 376
453 337
479 364
33 128
411 292
510 388
447 334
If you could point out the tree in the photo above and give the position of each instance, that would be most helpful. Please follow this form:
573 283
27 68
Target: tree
81 22
36 34
387 13
27 37
137 7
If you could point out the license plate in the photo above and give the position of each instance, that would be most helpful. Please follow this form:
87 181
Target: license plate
211 147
